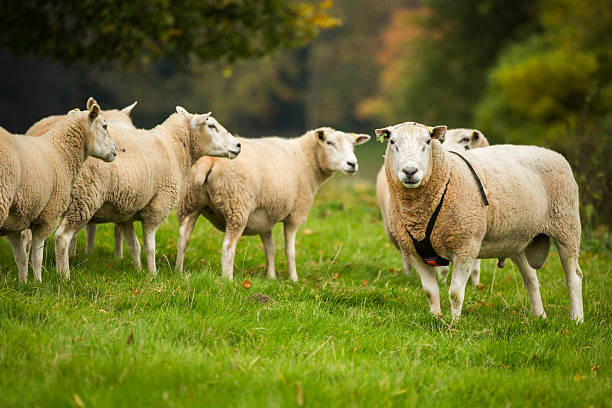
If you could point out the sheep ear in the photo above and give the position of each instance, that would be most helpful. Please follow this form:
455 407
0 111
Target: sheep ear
91 102
128 109
437 132
383 134
320 134
93 112
360 138
199 120
182 111
475 135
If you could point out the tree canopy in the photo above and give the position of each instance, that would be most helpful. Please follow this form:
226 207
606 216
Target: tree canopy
140 31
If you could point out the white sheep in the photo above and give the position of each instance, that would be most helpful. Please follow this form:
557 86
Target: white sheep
532 195
143 183
459 139
274 180
37 176
116 117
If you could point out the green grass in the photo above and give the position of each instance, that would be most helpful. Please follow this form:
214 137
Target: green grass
354 331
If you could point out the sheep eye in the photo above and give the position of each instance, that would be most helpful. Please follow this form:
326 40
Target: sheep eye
212 127
465 140
428 141
330 143
391 141
104 126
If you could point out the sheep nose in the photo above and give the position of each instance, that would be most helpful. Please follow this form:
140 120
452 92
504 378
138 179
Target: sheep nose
238 145
410 171
351 163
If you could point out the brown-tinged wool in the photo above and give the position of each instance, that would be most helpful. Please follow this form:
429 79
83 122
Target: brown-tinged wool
531 190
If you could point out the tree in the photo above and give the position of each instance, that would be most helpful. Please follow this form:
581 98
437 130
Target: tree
555 90
138 31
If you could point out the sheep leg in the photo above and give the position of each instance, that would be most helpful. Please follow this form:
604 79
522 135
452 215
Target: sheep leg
90 232
187 225
73 245
62 241
26 238
118 242
461 272
268 243
38 250
430 286
476 273
228 251
573 279
128 231
406 264
290 230
148 235
15 239
443 273
530 280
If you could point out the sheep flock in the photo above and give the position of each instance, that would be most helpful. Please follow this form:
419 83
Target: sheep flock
455 202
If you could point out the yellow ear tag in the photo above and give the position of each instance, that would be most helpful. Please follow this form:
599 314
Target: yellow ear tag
431 132
76 110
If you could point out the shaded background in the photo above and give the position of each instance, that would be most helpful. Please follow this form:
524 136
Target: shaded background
533 72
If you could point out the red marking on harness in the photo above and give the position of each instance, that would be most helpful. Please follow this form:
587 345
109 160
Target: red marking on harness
431 262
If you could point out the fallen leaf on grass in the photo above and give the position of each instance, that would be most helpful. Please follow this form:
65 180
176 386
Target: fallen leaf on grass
364 282
78 401
130 338
336 276
480 286
595 368
247 284
307 231
578 377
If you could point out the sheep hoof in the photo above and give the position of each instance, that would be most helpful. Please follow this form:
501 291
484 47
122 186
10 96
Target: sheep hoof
501 263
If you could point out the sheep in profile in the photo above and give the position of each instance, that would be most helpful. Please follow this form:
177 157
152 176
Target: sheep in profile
532 197
143 183
37 177
460 139
115 117
274 180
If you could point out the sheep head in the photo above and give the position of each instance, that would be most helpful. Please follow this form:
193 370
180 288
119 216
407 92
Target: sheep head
211 138
335 149
409 150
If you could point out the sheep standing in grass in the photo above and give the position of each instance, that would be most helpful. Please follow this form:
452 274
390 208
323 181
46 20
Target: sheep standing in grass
532 196
274 180
115 117
460 139
143 183
37 176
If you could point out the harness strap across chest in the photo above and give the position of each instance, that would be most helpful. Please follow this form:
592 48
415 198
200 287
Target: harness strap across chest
424 247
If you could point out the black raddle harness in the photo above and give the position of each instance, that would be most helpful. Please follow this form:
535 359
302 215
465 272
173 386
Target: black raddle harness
424 247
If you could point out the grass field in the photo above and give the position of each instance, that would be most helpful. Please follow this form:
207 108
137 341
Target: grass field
354 331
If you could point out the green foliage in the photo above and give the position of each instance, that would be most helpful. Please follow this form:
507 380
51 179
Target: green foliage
555 89
140 31
440 72
355 331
